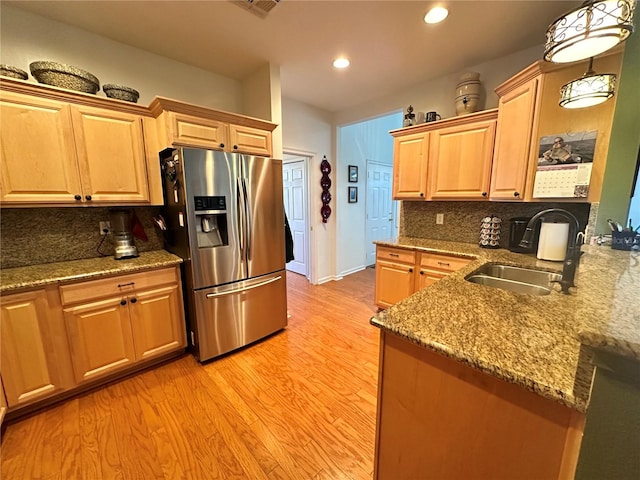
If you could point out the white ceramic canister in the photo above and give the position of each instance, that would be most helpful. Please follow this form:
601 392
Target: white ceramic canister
468 93
552 243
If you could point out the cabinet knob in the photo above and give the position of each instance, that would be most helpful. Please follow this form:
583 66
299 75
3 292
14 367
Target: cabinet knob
78 197
516 194
133 300
222 145
421 194
421 273
411 270
484 194
87 198
123 302
235 147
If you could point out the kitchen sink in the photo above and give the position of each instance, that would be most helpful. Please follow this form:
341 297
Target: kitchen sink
515 279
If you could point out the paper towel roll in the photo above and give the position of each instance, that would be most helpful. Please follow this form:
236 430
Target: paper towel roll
552 244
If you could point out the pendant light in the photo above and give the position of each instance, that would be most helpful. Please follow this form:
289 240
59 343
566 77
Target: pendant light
589 90
593 28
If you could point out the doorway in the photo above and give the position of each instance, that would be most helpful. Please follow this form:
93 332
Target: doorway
295 195
380 208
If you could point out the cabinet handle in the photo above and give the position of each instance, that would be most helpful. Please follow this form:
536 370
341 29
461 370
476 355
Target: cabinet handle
78 197
411 270
445 264
120 285
88 197
484 194
133 300
421 194
235 147
421 273
394 255
222 145
516 194
123 302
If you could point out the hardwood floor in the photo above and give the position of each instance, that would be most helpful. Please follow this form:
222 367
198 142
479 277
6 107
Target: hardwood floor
299 405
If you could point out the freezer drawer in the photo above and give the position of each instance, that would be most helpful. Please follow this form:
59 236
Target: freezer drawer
234 315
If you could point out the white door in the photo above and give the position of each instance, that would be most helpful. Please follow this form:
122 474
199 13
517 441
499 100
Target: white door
380 207
294 181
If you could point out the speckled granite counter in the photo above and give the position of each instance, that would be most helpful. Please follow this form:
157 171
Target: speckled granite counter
535 341
14 279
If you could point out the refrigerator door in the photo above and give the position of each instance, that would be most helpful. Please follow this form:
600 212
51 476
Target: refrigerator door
231 316
265 215
214 216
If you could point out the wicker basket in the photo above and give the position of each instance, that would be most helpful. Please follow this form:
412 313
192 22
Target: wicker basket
64 76
121 92
13 72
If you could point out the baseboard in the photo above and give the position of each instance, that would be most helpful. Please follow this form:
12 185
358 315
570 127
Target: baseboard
353 270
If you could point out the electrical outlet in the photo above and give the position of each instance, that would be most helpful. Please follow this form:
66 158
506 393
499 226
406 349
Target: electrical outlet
439 218
105 226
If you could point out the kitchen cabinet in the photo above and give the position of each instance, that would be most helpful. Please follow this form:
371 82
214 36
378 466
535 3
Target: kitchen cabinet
66 148
401 272
183 124
34 357
3 403
118 322
410 166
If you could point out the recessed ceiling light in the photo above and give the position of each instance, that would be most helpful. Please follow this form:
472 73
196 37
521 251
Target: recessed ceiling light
436 15
341 62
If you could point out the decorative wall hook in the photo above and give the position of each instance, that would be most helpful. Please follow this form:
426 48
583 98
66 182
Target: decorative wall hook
325 183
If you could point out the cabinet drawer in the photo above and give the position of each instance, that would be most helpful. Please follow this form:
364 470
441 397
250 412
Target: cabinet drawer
442 262
123 284
396 255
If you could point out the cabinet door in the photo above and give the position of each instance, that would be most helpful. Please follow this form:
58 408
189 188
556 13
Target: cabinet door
197 132
3 402
156 321
516 112
111 155
29 364
460 161
394 282
39 162
100 337
252 141
410 166
427 277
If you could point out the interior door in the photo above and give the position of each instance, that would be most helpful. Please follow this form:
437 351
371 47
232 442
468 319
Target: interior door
295 205
380 207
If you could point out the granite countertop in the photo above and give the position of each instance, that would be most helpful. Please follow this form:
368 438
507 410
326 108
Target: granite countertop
539 342
20 278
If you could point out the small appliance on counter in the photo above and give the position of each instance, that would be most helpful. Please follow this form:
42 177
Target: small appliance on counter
121 229
553 240
516 232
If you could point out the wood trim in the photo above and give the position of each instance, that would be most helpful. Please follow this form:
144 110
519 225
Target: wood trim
491 114
572 446
379 405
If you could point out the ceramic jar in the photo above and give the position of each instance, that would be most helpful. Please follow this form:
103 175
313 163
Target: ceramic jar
468 93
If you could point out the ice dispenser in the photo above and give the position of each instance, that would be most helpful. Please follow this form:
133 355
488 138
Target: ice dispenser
211 221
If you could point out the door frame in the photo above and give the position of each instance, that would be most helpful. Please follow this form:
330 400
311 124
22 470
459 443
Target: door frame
310 245
394 203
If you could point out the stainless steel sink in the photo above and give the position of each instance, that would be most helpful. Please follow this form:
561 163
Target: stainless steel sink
515 279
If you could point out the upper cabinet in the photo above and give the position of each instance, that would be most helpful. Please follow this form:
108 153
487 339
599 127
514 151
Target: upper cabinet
67 148
183 124
410 166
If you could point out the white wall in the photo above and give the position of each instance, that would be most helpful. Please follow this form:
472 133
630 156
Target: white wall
26 38
306 128
357 143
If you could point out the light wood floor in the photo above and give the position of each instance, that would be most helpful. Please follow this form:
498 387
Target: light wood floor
299 405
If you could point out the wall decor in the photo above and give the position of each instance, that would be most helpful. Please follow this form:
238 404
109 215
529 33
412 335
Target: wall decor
325 183
353 194
353 173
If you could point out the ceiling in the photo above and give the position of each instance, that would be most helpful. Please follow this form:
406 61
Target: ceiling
388 43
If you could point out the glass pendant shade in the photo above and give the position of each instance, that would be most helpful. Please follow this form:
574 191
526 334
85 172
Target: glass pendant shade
589 90
590 30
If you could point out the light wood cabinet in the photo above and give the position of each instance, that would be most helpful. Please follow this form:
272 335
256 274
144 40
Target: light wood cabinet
183 124
3 403
460 161
63 148
410 166
117 322
516 117
401 272
32 360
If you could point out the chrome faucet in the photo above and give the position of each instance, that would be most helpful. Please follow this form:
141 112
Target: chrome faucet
572 256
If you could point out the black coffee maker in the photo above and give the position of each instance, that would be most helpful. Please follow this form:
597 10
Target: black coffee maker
516 232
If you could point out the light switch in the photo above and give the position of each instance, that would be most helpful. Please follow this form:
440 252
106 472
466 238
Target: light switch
439 218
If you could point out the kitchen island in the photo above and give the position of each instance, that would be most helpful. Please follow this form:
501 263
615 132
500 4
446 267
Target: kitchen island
512 362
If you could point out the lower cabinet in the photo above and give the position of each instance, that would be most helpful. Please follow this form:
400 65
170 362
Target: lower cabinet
113 324
401 272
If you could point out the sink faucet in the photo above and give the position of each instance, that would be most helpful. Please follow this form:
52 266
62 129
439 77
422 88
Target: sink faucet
572 256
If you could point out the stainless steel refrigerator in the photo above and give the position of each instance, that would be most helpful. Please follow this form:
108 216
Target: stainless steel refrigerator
225 218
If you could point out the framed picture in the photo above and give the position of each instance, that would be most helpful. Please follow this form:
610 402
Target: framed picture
353 194
353 174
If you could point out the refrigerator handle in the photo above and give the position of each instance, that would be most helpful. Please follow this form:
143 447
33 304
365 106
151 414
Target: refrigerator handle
248 219
241 214
250 287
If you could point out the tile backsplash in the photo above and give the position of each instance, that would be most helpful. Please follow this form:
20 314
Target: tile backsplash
31 236
462 219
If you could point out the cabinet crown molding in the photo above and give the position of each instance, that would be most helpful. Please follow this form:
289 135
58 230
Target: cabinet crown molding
490 114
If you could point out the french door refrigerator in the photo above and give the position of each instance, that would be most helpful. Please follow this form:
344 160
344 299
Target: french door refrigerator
225 218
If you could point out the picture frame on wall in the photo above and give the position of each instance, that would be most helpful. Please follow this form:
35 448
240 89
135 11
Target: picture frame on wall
353 173
353 194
